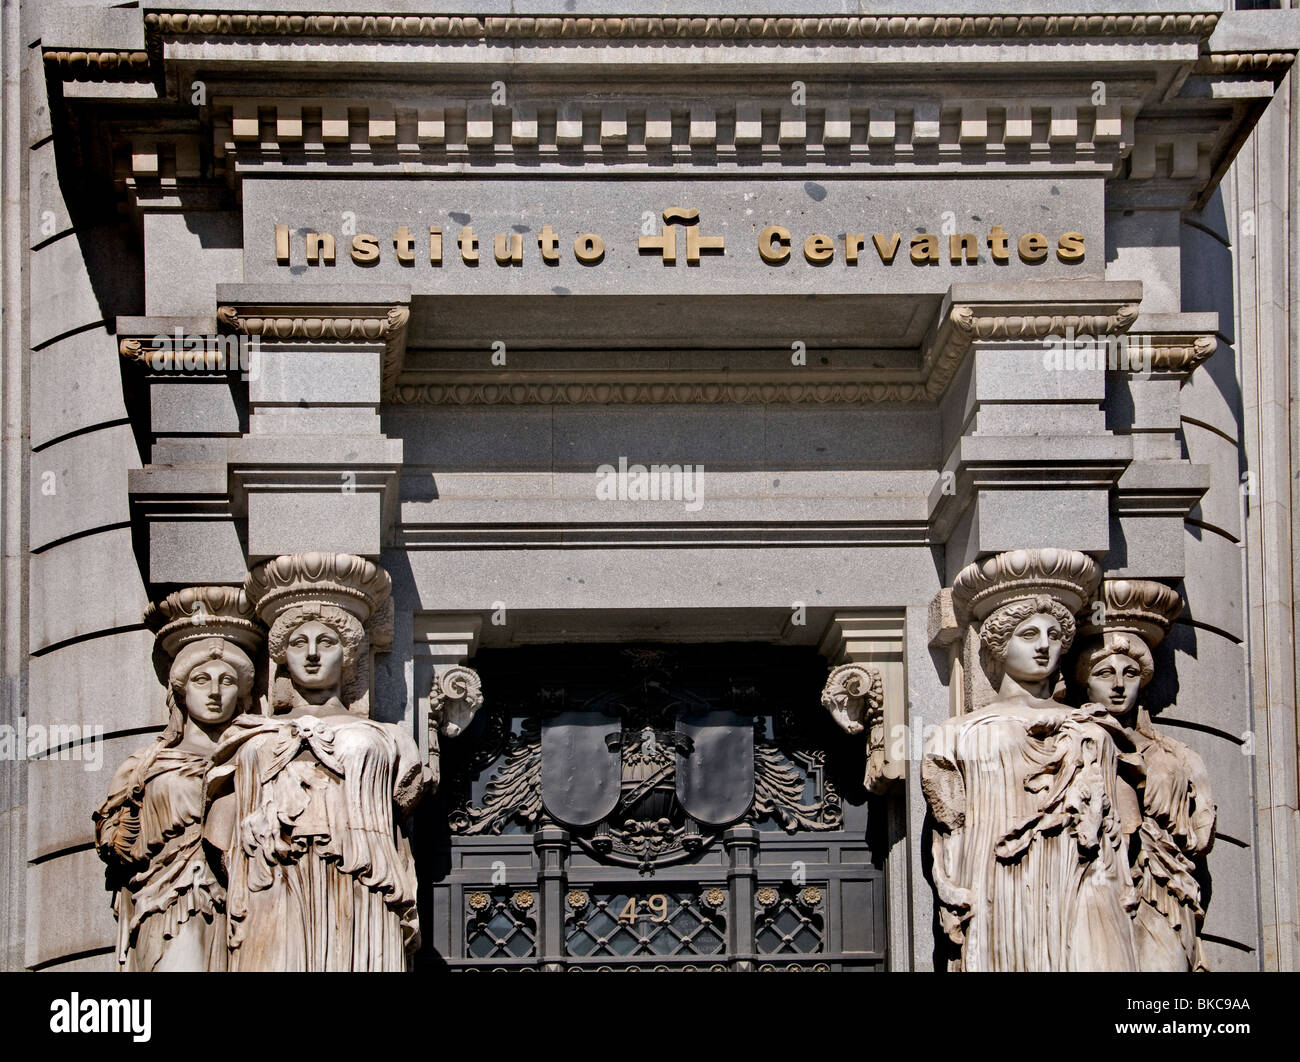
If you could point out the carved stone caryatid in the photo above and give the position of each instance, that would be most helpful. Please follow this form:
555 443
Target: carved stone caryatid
1113 665
1030 860
854 694
169 902
312 795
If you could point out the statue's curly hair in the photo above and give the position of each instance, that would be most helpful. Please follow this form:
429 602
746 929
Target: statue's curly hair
352 638
997 629
352 635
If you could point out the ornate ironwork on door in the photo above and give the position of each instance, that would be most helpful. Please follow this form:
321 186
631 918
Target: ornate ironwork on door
674 807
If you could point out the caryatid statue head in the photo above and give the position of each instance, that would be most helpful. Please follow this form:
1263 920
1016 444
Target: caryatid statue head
206 638
1115 657
323 610
211 681
1025 603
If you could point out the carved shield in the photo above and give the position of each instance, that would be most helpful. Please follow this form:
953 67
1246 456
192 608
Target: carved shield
715 780
581 766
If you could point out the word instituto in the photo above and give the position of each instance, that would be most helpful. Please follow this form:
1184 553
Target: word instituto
775 246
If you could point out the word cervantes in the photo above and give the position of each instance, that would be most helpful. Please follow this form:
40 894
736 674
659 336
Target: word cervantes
774 245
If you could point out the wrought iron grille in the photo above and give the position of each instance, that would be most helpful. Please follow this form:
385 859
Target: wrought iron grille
499 925
788 920
625 925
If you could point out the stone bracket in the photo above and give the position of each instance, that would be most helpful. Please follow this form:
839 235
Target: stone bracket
979 465
945 635
334 478
324 314
1160 488
191 527
1029 312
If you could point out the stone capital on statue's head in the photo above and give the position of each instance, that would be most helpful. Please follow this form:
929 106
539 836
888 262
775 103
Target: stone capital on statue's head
348 594
1134 606
1065 575
1134 617
197 613
354 584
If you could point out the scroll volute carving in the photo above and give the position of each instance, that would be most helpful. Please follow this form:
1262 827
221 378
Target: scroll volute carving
455 695
169 900
854 694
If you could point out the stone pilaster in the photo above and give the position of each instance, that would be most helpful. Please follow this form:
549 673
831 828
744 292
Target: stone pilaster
875 640
1029 460
314 470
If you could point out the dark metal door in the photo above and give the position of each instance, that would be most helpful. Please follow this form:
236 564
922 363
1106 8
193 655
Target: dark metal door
732 833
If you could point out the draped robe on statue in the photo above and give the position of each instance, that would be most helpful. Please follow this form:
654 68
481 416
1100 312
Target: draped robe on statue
1177 827
320 871
1028 802
169 912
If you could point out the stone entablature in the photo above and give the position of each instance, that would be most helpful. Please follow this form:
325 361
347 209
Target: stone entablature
970 314
909 123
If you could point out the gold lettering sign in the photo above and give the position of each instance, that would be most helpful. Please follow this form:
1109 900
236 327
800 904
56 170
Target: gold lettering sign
773 246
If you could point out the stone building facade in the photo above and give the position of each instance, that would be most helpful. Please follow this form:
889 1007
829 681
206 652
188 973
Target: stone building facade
663 363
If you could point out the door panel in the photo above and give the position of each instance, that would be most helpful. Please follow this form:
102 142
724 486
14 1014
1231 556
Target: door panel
658 807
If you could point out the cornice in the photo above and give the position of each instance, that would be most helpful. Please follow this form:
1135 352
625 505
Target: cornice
1172 344
338 324
919 27
965 324
1179 354
135 349
112 65
1274 63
